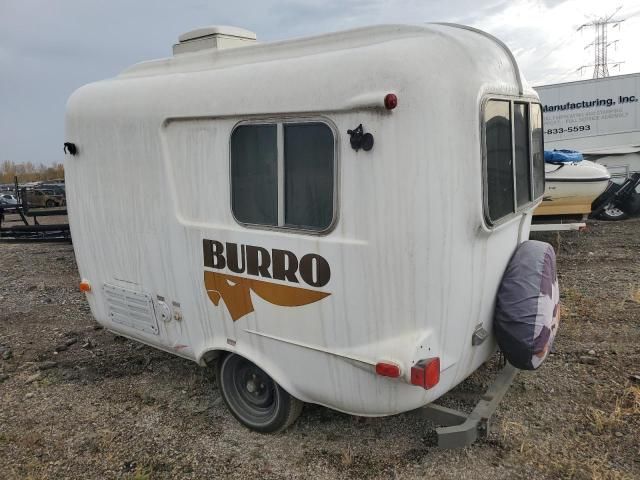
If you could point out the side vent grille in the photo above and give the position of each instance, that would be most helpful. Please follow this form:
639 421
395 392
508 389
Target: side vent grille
131 308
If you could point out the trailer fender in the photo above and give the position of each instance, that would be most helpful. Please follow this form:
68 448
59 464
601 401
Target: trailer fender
214 353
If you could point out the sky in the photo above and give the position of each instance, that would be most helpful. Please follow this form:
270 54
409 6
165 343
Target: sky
49 48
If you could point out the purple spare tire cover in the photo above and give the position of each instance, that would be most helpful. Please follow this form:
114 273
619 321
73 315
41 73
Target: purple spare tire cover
527 308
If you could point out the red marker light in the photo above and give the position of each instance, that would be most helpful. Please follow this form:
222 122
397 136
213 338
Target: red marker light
426 373
85 286
388 369
390 101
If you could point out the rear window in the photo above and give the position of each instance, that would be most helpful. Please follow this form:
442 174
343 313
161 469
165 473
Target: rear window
514 158
522 157
537 149
499 159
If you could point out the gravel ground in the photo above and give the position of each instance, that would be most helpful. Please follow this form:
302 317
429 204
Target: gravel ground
80 402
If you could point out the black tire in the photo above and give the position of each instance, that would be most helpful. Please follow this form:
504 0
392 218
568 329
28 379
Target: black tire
253 397
612 213
50 203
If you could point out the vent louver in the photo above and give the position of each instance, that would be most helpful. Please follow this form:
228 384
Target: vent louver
131 308
213 37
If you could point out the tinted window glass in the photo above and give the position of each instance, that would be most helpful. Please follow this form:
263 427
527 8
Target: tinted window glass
254 174
499 159
308 173
537 149
521 140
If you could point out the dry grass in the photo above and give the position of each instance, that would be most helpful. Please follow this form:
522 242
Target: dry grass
539 451
576 305
631 401
515 431
603 421
627 404
347 456
142 473
31 439
599 469
634 293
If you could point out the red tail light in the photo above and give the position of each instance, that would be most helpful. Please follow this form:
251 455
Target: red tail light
388 369
426 373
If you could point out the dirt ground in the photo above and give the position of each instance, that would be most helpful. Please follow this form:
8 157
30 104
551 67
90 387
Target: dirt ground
80 402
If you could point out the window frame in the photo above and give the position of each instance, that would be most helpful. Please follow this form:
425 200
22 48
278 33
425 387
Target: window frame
279 122
517 211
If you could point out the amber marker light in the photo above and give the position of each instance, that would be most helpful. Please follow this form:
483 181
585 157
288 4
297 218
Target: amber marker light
85 286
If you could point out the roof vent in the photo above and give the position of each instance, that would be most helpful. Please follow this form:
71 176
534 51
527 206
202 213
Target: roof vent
214 36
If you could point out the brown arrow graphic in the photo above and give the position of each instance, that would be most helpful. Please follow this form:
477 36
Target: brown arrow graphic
236 293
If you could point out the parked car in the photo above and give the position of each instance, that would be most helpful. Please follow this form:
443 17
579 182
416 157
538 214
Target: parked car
8 199
58 189
44 198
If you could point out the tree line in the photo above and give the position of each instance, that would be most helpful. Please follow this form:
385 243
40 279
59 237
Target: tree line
29 172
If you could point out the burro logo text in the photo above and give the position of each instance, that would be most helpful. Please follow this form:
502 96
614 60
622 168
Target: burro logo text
256 268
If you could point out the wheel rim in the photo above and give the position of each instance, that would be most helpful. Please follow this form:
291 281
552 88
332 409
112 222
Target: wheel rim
613 211
251 393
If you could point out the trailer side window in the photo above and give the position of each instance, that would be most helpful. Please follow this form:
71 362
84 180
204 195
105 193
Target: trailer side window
282 175
308 171
499 159
254 174
514 157
521 143
537 150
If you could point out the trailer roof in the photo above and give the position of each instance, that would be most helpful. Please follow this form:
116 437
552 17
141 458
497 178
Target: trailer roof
208 59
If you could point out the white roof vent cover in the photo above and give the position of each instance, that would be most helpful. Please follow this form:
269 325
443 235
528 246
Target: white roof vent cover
213 36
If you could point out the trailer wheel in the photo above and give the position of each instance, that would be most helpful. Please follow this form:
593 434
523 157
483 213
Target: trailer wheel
253 397
50 203
612 213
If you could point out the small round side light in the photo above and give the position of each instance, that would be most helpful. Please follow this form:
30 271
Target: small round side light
85 286
390 101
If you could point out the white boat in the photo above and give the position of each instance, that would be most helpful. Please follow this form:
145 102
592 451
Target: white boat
570 188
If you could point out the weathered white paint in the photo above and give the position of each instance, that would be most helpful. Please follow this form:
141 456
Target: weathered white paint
414 266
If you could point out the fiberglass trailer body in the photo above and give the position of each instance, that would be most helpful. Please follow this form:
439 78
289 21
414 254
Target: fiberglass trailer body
337 210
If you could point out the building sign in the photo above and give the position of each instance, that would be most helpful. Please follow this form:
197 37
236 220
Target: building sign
590 108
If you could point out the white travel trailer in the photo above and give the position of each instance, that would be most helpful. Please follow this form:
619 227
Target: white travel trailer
329 218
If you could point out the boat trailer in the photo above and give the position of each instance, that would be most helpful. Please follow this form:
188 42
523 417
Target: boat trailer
34 231
461 429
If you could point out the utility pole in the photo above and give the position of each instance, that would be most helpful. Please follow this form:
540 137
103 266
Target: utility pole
601 44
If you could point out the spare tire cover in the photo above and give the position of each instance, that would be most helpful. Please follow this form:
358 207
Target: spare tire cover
527 308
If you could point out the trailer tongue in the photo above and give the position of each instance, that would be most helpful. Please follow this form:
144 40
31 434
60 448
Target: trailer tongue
461 429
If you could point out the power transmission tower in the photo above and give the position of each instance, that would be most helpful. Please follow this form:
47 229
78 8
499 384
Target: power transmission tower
601 44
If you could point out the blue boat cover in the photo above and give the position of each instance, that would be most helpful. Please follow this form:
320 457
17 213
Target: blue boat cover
562 156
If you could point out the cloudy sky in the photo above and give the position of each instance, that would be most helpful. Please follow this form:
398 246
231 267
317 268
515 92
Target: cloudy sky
48 48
